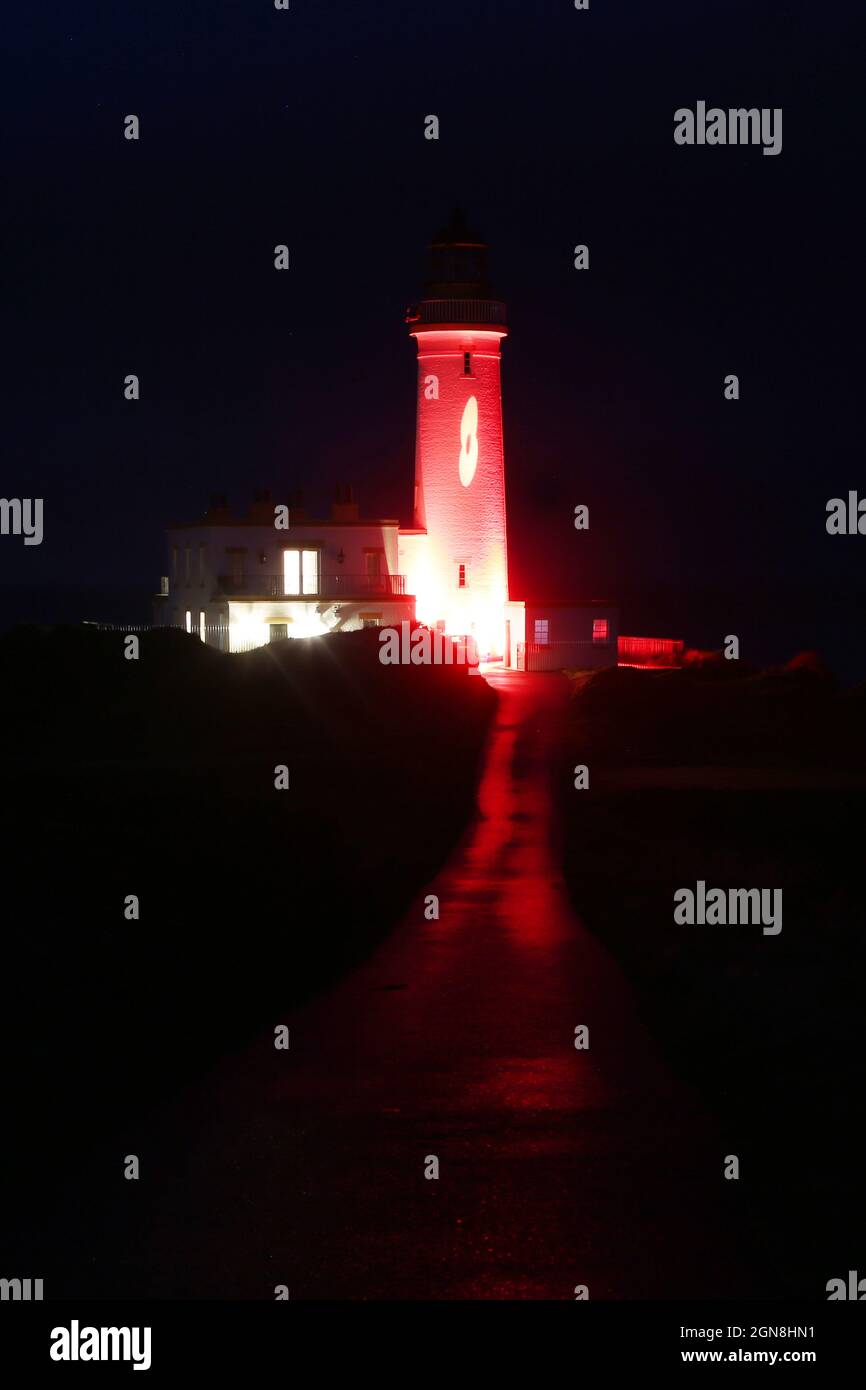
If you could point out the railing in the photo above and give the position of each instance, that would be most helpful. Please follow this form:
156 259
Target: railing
329 586
649 651
218 634
457 311
559 656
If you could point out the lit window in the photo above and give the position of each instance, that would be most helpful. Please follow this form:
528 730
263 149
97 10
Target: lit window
201 625
188 621
292 571
300 571
542 631
461 576
310 565
599 629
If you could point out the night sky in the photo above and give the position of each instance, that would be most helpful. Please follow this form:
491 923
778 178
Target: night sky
260 127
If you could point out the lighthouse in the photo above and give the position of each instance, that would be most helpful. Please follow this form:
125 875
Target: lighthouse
455 554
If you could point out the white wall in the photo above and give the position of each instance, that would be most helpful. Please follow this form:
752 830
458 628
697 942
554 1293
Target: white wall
250 622
210 554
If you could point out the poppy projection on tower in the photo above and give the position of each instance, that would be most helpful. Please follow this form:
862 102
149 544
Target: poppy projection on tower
455 555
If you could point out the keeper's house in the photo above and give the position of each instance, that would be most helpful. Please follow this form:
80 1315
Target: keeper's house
239 582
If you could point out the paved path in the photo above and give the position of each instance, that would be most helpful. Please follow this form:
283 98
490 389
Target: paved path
557 1167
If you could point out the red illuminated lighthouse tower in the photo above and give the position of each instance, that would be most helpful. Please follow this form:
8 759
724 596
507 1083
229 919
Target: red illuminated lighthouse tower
455 555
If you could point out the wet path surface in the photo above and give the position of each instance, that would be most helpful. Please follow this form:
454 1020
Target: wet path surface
558 1167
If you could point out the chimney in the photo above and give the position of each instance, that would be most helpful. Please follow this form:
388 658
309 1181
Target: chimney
297 510
344 507
218 508
262 508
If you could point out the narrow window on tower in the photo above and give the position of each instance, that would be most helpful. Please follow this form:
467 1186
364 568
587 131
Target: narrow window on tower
599 629
467 364
461 576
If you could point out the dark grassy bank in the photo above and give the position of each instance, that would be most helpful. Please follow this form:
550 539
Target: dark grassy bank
156 778
742 779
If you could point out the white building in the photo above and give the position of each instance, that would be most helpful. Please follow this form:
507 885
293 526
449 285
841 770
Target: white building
239 582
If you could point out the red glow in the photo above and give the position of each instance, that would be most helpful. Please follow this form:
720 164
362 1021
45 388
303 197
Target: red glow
649 651
460 574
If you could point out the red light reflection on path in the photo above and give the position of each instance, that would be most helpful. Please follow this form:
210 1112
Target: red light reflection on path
557 1167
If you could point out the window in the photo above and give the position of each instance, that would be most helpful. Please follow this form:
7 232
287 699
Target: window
461 576
278 632
310 571
542 632
291 571
187 563
201 563
174 563
237 563
374 561
300 572
599 629
188 621
467 364
201 625
369 622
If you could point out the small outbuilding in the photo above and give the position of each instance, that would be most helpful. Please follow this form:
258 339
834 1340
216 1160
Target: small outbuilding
558 634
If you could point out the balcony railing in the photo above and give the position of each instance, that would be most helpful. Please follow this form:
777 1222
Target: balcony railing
457 311
346 586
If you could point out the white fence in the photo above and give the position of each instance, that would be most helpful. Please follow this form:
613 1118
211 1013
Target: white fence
218 635
561 656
